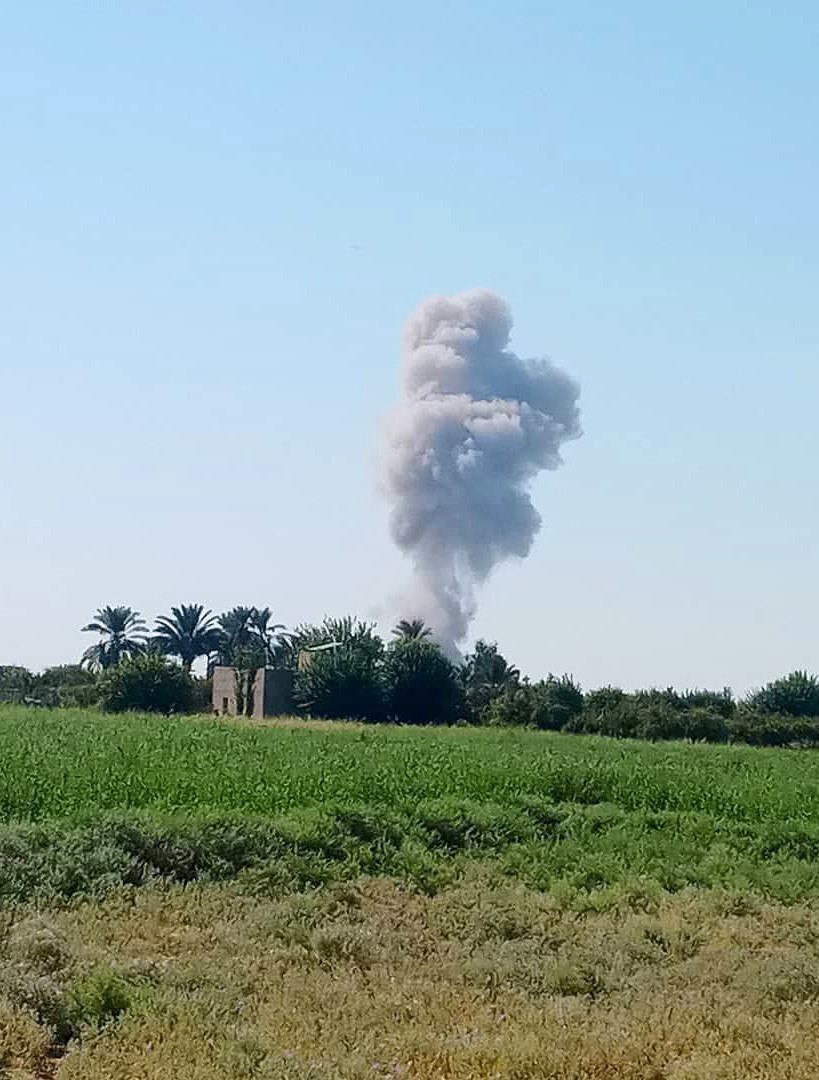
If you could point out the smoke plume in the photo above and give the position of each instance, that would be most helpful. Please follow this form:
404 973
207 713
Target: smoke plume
475 424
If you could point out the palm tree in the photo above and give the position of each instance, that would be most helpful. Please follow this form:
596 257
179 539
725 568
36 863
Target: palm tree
188 632
235 632
122 633
270 635
487 672
412 630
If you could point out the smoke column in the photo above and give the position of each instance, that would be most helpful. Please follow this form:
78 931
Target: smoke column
475 424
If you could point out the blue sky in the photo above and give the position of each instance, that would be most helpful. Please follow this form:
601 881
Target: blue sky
216 218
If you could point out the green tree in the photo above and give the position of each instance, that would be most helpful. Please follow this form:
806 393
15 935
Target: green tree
332 633
66 685
420 682
188 632
271 636
485 675
123 634
16 682
412 629
552 703
796 694
235 632
146 683
338 669
248 637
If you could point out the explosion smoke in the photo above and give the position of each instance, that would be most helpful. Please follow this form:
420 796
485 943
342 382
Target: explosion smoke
475 425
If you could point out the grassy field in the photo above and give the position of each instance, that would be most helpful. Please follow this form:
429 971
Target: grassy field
210 899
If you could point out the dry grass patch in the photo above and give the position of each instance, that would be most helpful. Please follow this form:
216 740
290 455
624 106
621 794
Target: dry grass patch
368 980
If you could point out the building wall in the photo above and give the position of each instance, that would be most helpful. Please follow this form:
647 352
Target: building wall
272 692
224 691
278 692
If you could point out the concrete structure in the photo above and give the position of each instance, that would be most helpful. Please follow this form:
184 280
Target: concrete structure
272 692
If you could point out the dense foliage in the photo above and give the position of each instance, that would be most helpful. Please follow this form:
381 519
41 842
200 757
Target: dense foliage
342 669
339 670
146 683
421 685
796 694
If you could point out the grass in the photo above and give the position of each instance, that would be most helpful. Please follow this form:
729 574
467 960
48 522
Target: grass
89 802
366 980
203 899
75 765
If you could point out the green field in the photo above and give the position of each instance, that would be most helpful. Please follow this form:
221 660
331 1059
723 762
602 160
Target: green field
135 797
410 902
74 765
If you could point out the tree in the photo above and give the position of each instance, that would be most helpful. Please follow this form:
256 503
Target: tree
421 683
796 694
15 682
338 669
146 683
348 631
247 659
270 635
248 636
123 634
485 675
66 685
235 632
188 632
552 703
412 629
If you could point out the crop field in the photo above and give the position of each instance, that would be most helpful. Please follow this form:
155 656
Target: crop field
206 899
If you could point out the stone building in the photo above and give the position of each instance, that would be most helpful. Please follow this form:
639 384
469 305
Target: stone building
272 692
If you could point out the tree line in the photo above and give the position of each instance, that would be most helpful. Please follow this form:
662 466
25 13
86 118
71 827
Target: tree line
352 673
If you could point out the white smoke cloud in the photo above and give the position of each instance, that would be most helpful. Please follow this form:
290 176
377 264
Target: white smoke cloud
476 423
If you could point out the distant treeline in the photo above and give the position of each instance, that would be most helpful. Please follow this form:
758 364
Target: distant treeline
354 674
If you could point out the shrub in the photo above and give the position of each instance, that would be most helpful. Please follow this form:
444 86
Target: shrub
67 685
796 694
511 707
552 704
146 683
97 1000
656 714
608 711
560 700
421 684
698 724
343 684
773 729
718 701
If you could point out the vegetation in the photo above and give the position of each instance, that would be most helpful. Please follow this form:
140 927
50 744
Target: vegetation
795 695
90 800
421 685
412 629
341 669
308 898
146 683
364 980
341 673
211 899
188 633
123 634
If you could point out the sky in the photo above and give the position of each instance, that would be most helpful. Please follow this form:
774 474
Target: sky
216 218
